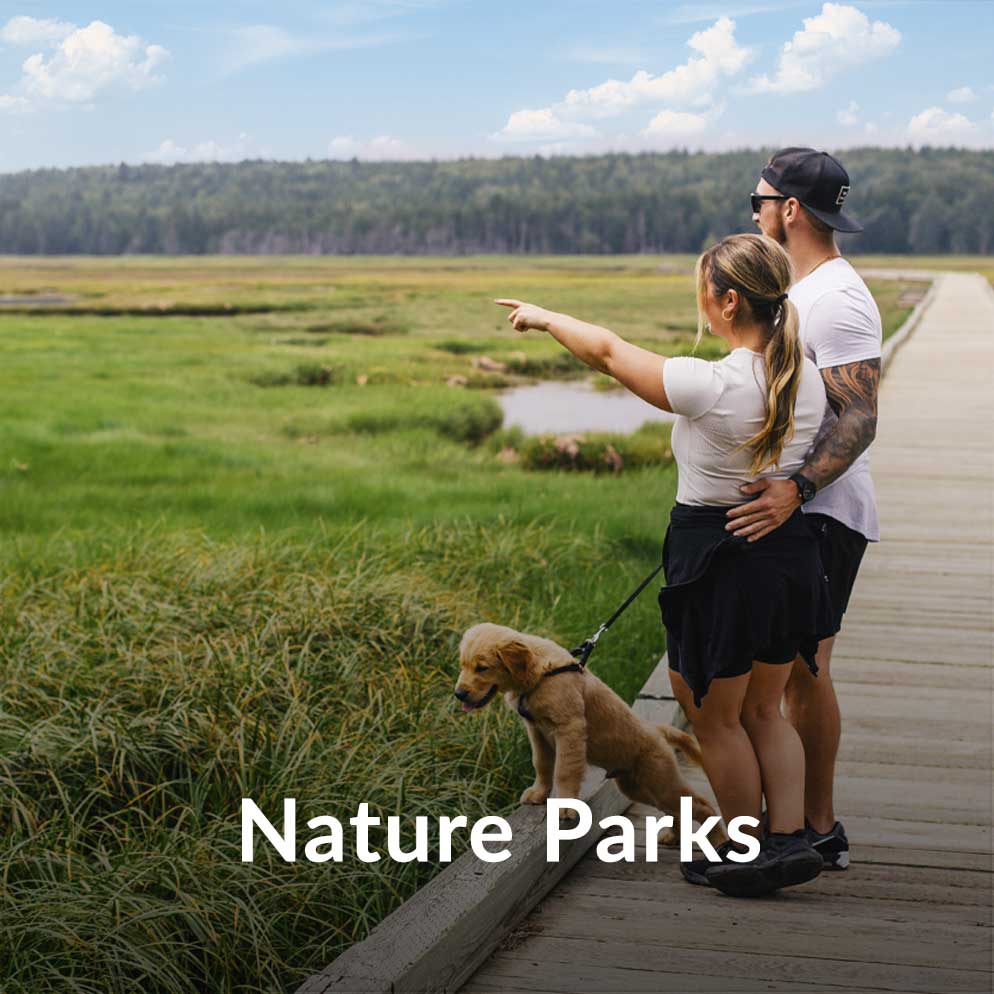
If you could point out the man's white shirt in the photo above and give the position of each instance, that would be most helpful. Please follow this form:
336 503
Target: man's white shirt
840 324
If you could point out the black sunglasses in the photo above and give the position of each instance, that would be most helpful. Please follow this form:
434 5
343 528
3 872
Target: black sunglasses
756 199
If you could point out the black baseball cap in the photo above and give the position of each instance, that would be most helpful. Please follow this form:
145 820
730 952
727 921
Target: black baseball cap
817 180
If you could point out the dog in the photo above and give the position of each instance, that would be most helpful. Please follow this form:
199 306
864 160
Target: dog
573 719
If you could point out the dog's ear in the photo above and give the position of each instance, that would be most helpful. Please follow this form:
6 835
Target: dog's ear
516 657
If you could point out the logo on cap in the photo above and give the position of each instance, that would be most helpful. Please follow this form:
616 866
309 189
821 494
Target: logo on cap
843 193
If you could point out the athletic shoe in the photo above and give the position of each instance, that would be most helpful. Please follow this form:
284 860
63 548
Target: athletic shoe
694 871
784 860
833 845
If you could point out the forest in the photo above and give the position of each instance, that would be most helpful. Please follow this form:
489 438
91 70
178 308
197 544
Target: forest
926 201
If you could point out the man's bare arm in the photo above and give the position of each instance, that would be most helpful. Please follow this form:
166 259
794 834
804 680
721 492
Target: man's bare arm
852 395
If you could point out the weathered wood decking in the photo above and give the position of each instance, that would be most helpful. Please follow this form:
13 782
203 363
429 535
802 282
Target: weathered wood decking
913 668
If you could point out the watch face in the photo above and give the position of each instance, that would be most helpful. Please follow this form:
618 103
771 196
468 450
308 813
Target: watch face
805 488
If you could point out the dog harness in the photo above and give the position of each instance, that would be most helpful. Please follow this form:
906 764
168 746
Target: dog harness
568 668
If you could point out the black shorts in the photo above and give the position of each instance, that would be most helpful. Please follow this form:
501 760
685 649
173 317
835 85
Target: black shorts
841 551
728 602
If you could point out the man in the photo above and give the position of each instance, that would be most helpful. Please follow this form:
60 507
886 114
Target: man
798 202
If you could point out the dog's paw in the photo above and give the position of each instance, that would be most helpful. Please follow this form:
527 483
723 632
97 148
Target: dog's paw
535 794
670 837
569 817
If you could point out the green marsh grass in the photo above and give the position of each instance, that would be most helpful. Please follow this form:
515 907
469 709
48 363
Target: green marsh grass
213 590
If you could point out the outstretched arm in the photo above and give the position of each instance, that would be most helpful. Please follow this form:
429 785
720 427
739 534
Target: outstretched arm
852 395
636 368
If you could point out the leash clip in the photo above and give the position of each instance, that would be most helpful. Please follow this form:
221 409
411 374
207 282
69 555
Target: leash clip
582 652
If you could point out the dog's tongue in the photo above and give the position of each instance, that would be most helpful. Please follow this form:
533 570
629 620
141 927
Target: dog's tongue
468 707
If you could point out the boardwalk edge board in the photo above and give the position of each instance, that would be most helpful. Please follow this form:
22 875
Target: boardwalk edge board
903 333
440 936
437 939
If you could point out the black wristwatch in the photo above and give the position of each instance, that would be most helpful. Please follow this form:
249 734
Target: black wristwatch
806 490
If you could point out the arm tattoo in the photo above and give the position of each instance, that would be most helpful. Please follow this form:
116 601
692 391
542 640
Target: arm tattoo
852 396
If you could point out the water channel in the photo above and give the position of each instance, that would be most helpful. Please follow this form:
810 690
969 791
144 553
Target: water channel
559 407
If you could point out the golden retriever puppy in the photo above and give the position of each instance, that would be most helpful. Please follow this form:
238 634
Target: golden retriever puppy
573 719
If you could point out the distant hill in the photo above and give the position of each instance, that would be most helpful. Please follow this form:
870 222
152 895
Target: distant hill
930 201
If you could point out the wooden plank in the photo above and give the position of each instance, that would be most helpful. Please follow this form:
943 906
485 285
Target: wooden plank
885 745
894 883
848 669
976 779
512 976
658 685
873 829
938 858
551 955
768 928
669 899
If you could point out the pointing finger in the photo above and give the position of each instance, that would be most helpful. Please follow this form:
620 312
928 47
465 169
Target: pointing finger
507 302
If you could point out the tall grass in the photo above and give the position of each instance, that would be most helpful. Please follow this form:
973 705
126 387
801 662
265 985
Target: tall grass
141 698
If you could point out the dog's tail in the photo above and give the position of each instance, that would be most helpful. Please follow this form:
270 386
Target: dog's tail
683 741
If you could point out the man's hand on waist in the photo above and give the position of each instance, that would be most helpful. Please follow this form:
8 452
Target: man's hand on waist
777 500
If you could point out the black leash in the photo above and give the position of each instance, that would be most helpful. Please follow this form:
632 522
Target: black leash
582 652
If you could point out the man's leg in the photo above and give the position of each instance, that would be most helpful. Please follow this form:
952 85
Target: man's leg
812 708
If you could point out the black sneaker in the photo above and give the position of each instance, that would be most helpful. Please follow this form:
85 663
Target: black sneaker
784 860
833 845
694 871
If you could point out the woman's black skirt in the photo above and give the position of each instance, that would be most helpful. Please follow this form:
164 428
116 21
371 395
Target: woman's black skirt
728 601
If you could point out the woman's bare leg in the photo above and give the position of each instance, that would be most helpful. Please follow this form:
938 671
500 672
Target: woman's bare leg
729 759
777 746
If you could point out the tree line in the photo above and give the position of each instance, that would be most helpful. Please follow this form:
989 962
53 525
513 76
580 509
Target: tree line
927 201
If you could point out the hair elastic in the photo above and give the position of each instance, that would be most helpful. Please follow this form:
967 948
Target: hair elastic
780 299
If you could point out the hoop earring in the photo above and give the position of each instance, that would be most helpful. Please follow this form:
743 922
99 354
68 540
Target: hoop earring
726 317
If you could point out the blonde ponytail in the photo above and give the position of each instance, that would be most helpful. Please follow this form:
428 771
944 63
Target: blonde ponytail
759 270
784 361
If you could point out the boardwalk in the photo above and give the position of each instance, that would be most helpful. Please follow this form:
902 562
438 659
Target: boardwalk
913 670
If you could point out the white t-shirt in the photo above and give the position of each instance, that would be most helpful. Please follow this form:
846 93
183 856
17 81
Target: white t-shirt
721 406
840 324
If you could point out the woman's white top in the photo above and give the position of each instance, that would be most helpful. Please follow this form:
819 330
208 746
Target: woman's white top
721 405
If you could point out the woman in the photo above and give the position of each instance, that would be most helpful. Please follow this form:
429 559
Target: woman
737 612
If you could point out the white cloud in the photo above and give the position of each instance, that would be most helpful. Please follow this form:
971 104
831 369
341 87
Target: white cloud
850 115
10 104
381 148
961 95
935 126
542 125
35 31
674 127
716 54
837 38
83 64
170 152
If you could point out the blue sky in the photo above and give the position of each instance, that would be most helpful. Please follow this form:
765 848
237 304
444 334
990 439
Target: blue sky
84 83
